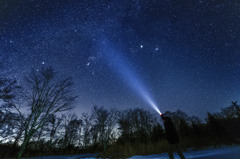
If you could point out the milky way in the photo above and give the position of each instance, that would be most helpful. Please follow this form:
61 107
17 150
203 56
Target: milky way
187 53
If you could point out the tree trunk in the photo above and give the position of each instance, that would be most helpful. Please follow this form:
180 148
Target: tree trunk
23 147
38 139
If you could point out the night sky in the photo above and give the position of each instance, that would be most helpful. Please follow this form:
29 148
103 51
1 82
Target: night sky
187 53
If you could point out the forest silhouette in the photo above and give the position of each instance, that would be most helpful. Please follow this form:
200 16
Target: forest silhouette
46 127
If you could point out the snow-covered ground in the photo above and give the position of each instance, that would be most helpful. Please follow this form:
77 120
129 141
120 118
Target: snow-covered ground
219 153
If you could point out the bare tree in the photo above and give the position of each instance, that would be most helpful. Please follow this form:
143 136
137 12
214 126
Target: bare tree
86 129
55 123
8 119
72 130
7 126
7 88
39 136
125 125
136 125
19 129
104 123
45 95
232 111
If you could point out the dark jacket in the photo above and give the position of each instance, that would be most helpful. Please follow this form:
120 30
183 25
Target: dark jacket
170 130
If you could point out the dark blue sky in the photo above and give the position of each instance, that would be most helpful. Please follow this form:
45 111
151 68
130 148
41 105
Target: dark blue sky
186 52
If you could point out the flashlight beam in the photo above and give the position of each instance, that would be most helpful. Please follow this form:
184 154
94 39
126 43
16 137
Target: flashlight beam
120 65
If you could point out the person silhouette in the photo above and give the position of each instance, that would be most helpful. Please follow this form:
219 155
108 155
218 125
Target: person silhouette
172 137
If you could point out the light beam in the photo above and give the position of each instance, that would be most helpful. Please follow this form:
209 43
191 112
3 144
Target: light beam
122 67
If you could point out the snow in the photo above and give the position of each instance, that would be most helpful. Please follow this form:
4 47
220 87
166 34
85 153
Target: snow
85 156
219 153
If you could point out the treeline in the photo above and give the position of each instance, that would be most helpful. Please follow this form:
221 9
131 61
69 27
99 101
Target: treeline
34 122
142 133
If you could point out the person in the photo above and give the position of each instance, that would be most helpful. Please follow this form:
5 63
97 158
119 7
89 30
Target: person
172 137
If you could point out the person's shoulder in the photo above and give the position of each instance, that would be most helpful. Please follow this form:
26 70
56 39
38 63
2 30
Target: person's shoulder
167 118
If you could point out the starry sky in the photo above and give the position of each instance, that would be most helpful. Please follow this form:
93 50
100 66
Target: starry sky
186 53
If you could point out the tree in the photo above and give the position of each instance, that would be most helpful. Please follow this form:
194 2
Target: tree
38 137
157 133
45 94
7 126
143 122
125 125
136 125
55 123
196 124
213 123
18 128
87 126
8 119
104 123
7 88
72 130
232 111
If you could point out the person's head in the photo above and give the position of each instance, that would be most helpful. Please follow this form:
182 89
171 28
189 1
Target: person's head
162 115
165 117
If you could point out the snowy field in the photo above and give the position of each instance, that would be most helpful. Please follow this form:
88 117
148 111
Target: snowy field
220 153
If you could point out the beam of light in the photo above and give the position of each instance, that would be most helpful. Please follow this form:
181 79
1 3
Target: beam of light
122 67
